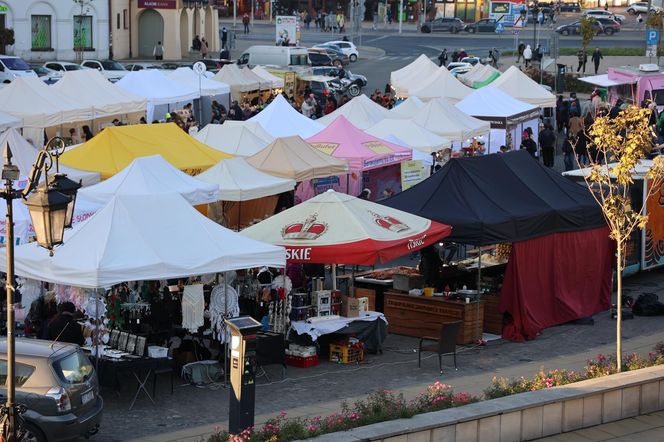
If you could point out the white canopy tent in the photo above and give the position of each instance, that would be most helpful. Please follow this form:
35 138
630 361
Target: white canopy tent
444 119
518 85
280 119
361 111
263 84
417 72
41 106
275 82
427 159
235 137
24 155
148 176
441 84
7 121
407 108
415 136
187 77
102 95
240 181
134 238
232 76
158 89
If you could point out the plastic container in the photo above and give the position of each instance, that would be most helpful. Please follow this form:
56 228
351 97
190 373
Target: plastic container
302 362
157 352
343 353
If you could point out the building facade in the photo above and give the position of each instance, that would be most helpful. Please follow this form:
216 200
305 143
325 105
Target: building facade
50 30
137 26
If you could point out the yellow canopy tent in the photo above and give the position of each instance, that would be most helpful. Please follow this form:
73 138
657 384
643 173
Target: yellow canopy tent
114 148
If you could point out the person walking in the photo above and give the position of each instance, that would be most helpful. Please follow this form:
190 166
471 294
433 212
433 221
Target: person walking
204 48
528 144
494 54
596 57
547 140
224 38
158 51
455 56
245 22
582 57
527 55
442 58
520 49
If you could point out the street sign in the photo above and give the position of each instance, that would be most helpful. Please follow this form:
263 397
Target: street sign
651 51
199 67
652 37
500 28
515 31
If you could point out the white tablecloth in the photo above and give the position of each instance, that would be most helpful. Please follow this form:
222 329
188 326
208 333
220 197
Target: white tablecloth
323 327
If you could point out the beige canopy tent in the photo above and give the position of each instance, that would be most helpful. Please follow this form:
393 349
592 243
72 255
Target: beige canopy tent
235 137
263 84
417 72
294 158
361 111
407 108
518 85
232 76
444 119
441 84
275 82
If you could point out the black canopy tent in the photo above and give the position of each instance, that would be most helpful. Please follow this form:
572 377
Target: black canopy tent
500 198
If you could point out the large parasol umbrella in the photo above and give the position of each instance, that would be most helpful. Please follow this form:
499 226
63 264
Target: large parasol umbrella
335 228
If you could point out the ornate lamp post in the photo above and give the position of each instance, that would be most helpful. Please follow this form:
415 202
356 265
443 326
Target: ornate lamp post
49 207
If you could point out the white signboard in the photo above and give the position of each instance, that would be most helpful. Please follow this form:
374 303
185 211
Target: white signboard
287 30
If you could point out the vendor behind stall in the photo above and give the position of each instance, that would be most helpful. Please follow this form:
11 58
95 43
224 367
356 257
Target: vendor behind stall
429 267
64 328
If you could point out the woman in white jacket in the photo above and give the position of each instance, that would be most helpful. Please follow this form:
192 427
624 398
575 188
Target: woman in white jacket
528 55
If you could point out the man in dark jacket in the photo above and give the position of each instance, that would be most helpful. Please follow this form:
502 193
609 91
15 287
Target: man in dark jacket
529 144
596 57
64 327
547 140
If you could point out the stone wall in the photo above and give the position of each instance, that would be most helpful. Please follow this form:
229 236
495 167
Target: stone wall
526 416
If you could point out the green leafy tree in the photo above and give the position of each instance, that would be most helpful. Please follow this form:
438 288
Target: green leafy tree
587 31
621 143
79 39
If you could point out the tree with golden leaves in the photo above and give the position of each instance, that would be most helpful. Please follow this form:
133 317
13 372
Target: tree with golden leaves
621 143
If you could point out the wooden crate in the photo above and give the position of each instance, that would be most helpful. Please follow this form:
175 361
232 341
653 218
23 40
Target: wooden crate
493 318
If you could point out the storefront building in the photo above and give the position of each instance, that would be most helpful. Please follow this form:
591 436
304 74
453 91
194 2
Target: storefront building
50 30
138 25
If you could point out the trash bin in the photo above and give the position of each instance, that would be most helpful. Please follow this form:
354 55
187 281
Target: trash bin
560 78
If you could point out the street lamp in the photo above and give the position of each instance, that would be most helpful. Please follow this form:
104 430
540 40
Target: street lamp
48 208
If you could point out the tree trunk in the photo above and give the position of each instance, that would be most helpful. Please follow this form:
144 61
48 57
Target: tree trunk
619 307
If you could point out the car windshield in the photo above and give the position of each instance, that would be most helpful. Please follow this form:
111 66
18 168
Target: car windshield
15 64
111 65
72 67
74 368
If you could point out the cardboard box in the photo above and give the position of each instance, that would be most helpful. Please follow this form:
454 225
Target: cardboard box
350 307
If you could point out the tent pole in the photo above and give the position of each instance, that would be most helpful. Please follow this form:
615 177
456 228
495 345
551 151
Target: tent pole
96 330
334 276
239 214
225 340
479 295
348 183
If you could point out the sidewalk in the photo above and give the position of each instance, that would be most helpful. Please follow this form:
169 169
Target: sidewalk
571 62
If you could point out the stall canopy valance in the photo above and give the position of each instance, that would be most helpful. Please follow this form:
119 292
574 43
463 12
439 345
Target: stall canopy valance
115 147
500 198
335 228
361 111
149 176
136 239
280 119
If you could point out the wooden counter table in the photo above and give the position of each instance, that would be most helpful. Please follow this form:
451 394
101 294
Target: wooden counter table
423 316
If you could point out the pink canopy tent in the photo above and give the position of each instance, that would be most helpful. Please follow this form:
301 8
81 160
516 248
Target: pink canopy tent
368 156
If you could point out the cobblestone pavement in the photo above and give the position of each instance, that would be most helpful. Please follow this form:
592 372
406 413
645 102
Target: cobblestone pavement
193 411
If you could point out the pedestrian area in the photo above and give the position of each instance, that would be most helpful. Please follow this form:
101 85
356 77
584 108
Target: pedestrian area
646 428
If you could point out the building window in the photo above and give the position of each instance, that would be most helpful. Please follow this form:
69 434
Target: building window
117 25
41 32
125 24
83 31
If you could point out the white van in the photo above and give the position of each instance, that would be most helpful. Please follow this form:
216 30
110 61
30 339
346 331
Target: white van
279 56
12 67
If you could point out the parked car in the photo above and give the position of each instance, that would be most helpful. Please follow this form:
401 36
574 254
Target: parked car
60 67
360 80
346 47
484 25
321 86
111 69
58 385
600 13
641 7
443 24
141 66
573 28
48 76
336 54
279 56
13 67
609 26
459 67
325 57
570 7
471 60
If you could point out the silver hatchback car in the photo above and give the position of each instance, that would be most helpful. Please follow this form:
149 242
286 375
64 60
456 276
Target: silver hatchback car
58 385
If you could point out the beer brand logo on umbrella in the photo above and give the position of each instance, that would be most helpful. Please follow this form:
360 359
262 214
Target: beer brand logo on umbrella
390 223
308 230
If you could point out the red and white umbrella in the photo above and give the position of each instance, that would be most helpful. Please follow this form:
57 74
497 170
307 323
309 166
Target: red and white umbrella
335 228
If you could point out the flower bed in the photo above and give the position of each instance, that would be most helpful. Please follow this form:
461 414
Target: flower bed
385 405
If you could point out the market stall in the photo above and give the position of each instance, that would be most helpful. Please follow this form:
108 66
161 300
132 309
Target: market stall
416 73
520 86
411 133
508 116
556 231
374 163
242 88
280 119
208 90
441 84
361 111
115 148
239 138
245 194
406 108
7 121
274 81
163 94
479 76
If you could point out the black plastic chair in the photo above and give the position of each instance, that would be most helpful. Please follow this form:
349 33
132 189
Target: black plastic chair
444 344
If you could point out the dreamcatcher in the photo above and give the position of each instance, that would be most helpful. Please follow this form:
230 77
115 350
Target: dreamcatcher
223 305
95 330
281 307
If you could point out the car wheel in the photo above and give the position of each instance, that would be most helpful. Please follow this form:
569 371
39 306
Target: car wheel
425 30
631 11
565 32
354 90
353 58
32 434
608 31
338 64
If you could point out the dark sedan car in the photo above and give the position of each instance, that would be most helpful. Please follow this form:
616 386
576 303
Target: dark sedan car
610 26
570 7
444 24
325 57
574 28
484 25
